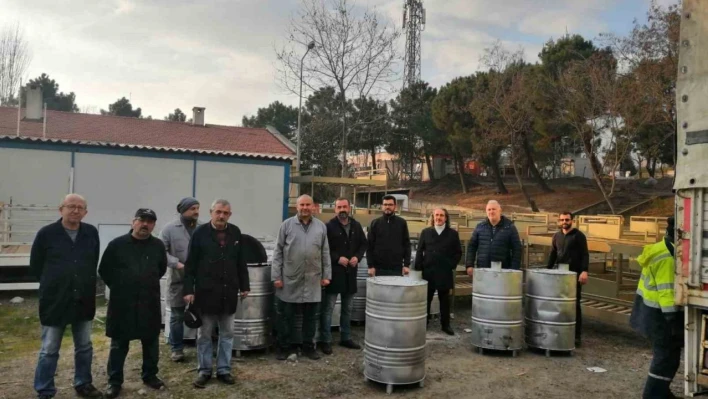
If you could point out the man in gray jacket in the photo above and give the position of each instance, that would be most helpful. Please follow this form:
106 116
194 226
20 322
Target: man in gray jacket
176 236
301 267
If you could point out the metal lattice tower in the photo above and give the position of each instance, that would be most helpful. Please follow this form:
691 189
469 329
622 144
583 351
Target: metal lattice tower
413 24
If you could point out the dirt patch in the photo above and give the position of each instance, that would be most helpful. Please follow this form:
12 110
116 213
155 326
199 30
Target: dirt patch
453 369
660 207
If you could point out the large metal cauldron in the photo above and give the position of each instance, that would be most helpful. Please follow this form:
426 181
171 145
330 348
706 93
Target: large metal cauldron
497 312
252 321
435 303
550 309
394 351
163 299
359 301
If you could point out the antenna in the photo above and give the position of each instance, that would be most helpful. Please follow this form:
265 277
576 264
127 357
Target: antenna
414 24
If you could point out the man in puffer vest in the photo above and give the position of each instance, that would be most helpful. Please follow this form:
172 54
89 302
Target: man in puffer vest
656 316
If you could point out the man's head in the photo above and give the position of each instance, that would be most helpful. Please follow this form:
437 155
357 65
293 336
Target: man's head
220 212
73 209
565 220
493 211
189 208
342 208
144 223
304 206
388 205
441 217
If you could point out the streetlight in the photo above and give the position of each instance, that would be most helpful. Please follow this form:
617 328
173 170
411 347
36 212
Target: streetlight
310 46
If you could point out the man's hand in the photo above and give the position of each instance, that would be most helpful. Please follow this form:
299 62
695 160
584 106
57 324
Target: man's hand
583 278
343 261
180 265
470 271
188 299
353 261
244 294
278 283
372 272
325 282
406 271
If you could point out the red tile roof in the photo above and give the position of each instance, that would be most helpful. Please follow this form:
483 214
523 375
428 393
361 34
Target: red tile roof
100 129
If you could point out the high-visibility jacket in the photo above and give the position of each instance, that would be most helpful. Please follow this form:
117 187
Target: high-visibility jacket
654 303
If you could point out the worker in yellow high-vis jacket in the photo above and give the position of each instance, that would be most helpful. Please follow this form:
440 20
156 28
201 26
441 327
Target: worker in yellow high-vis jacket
656 316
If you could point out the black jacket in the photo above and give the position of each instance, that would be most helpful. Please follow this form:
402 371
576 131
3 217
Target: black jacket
438 255
215 274
344 278
498 243
571 248
67 273
389 245
132 269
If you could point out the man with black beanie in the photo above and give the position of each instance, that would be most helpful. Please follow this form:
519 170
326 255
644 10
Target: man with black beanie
176 236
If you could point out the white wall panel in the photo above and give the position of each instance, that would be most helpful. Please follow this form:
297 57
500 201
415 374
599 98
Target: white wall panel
254 191
34 176
116 186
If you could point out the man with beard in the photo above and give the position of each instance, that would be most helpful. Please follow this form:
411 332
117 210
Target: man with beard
176 236
439 251
494 240
301 267
389 250
347 245
214 275
570 246
131 267
64 257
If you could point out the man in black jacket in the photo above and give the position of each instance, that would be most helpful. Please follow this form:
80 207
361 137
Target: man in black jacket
347 246
494 240
389 249
64 257
214 275
570 246
131 267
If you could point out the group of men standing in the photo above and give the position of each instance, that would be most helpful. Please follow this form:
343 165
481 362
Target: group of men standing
313 264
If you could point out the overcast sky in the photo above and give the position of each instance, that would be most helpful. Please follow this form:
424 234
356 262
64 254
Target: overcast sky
220 54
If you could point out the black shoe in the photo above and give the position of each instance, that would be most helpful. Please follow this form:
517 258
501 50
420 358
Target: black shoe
310 352
88 391
112 391
227 379
326 347
349 344
281 354
201 381
447 330
578 343
154 383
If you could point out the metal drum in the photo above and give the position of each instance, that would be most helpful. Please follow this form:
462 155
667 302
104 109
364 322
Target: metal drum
163 299
550 309
337 312
359 301
435 303
394 349
189 333
252 321
497 312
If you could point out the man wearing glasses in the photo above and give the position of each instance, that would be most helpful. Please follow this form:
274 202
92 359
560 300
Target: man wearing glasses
570 246
214 275
64 257
389 252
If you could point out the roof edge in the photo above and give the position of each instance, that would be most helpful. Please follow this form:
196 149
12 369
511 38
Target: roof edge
272 130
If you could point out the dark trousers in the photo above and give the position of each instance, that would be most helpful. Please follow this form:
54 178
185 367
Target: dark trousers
286 322
664 364
444 297
390 271
578 314
119 351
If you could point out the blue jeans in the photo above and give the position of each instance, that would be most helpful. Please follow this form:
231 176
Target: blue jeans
328 302
226 343
49 356
177 328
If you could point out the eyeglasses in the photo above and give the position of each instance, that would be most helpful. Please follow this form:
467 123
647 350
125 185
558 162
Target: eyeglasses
75 207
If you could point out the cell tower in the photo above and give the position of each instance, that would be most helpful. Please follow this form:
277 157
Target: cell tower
413 24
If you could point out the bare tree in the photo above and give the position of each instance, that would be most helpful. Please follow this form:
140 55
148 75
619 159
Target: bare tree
15 57
355 52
